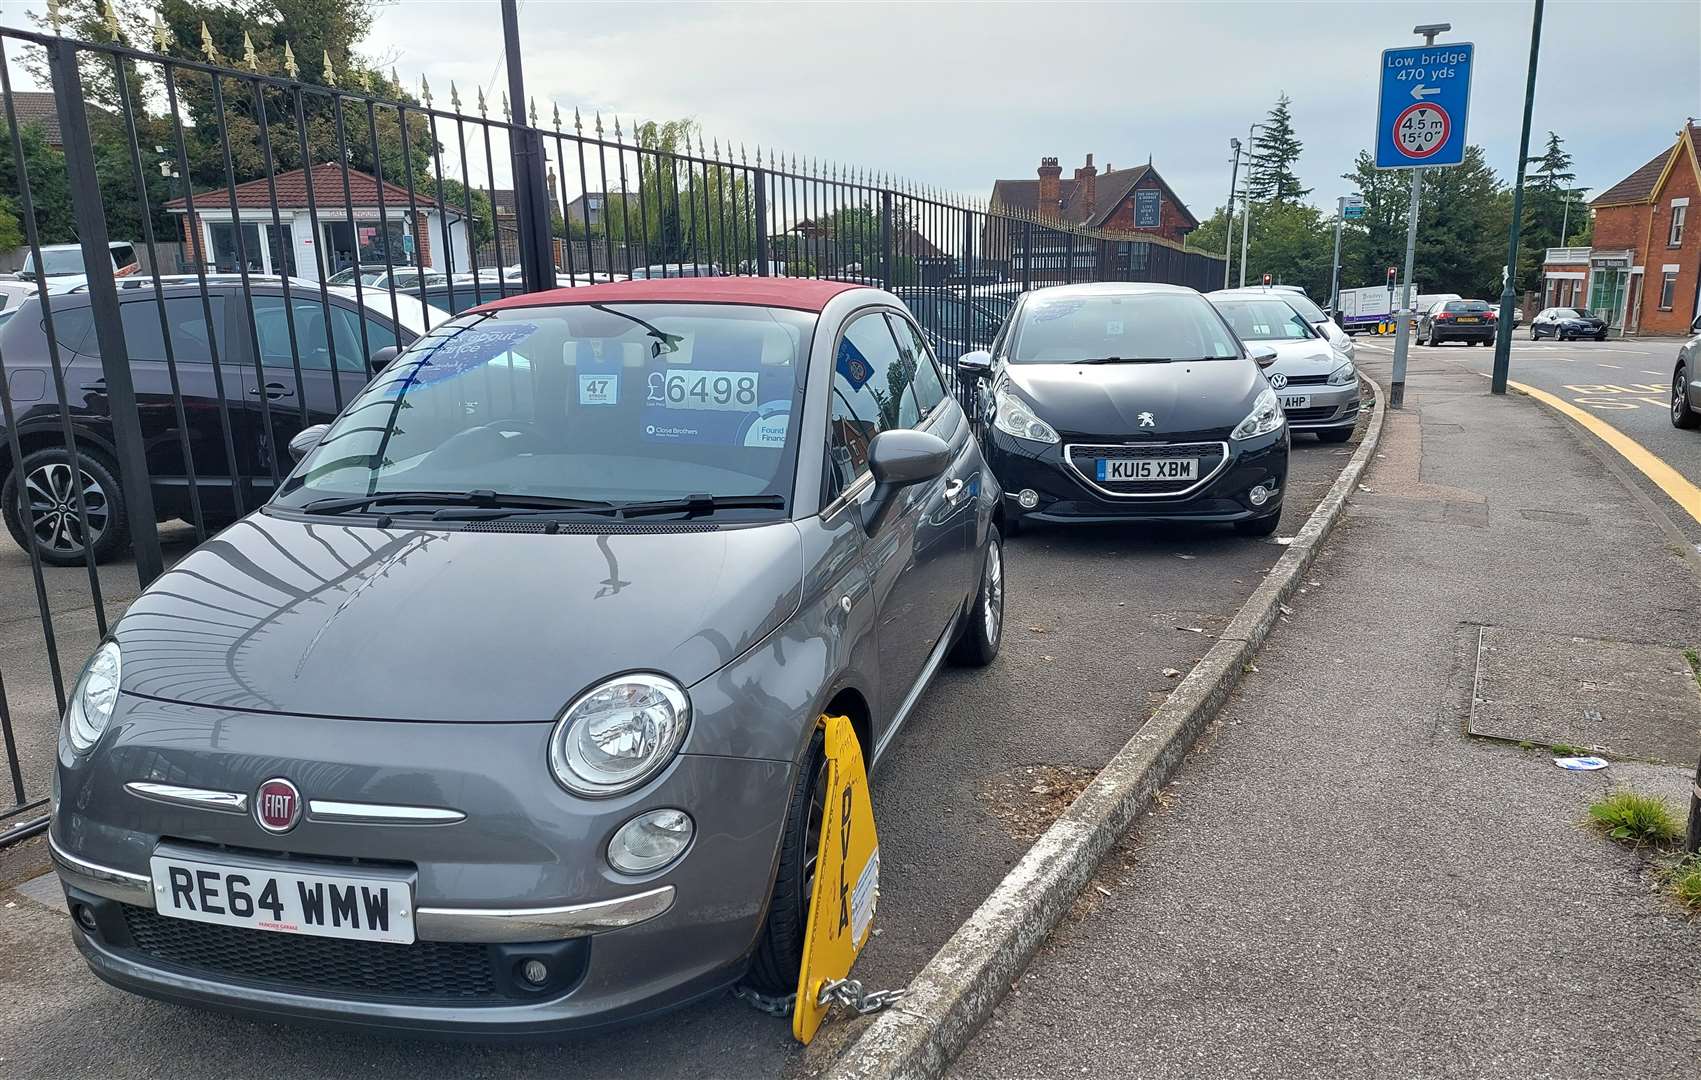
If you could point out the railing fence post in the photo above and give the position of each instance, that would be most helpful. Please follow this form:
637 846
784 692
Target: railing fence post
1027 255
761 176
887 270
90 217
531 184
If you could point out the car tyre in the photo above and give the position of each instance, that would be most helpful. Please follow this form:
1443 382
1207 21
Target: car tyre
1533 335
1682 415
779 951
50 471
984 629
1259 526
1335 435
1600 336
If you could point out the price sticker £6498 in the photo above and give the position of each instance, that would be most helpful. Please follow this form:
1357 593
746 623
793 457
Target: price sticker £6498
731 391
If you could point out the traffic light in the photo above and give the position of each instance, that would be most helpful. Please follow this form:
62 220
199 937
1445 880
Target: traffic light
1266 279
1392 277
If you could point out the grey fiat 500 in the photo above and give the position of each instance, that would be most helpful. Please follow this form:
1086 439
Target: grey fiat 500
502 715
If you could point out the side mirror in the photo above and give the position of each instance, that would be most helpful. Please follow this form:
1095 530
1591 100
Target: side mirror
1263 355
306 439
1695 327
383 358
900 458
975 364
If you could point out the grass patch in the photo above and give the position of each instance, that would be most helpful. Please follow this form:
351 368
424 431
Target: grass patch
1683 884
1565 749
1694 659
1636 819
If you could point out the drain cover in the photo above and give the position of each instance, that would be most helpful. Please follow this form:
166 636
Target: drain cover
1628 699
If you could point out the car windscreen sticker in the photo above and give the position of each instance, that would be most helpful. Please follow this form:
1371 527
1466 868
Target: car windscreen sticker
599 389
1113 328
1057 309
725 395
466 351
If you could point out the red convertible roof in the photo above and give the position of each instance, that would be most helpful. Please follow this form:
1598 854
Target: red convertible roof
804 294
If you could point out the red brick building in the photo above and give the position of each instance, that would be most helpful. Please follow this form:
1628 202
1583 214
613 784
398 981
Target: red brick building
1135 206
1643 273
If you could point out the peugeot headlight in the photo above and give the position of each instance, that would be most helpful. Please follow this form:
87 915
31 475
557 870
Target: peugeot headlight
93 698
1343 375
618 735
1012 416
1265 417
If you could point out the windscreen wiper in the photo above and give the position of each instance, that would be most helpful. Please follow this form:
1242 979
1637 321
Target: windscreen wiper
480 498
1126 360
689 505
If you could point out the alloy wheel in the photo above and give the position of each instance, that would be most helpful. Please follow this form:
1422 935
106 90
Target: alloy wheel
52 508
812 838
1678 404
993 609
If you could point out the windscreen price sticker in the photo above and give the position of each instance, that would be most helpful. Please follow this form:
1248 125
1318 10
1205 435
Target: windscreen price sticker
725 391
1421 130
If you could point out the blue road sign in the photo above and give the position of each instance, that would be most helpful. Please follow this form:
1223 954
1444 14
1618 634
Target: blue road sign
1425 100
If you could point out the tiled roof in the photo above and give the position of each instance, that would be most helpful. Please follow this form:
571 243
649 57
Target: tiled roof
1110 189
292 192
37 107
1639 185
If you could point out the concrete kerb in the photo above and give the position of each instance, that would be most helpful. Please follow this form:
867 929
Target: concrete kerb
965 980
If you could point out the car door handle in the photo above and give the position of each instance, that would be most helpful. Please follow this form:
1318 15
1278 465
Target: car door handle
953 489
274 390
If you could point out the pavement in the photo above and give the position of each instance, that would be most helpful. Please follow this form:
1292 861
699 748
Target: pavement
1341 881
983 767
1623 382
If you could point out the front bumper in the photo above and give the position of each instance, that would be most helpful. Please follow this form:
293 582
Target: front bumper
1330 406
1065 495
522 875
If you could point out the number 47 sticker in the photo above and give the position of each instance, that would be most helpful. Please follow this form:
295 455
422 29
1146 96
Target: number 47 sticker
599 390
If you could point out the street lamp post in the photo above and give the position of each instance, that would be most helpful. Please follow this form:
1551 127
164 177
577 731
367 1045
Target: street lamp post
1503 338
1335 266
1228 229
1246 216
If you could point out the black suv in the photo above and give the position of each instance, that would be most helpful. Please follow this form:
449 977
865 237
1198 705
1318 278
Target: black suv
253 391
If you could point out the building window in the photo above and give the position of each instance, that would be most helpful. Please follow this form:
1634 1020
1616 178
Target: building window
1679 210
1668 290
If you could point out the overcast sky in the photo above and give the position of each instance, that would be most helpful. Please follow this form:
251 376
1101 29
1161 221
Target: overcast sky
958 94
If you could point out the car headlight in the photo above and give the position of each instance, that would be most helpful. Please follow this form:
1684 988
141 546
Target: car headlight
1343 375
1012 416
618 735
93 698
1265 417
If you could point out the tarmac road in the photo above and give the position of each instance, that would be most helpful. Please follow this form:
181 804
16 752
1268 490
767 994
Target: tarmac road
1094 617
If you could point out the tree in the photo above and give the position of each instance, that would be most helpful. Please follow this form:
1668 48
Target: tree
49 186
1270 164
11 229
1553 207
685 209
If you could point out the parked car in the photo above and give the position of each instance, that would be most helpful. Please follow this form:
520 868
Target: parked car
1567 324
677 270
1470 321
1317 386
1686 381
954 325
1295 297
384 277
502 717
1119 402
64 262
261 421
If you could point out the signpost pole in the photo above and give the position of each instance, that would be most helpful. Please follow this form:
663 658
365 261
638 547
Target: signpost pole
1503 334
1402 318
1335 265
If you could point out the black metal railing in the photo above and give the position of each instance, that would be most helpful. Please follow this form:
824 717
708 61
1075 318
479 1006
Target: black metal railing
294 224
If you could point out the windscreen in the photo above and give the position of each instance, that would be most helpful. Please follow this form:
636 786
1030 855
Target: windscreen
1076 326
56 263
603 402
1468 307
1265 320
1302 304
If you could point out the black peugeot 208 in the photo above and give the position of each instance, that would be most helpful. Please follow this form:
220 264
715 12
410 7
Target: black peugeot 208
1119 401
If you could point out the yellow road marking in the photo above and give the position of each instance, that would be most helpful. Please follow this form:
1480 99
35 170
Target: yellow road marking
1669 480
